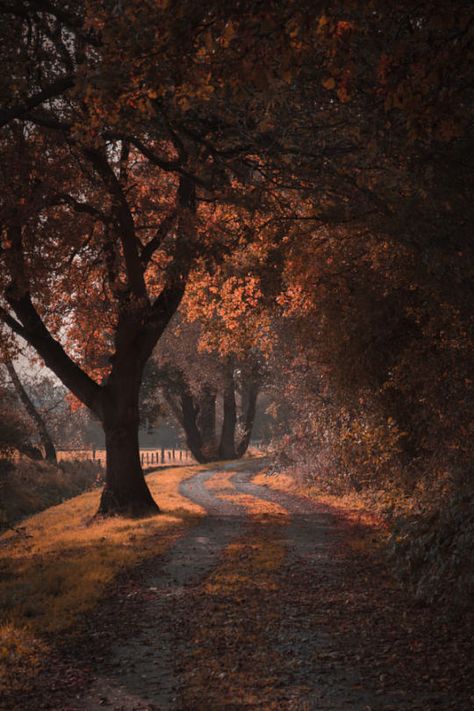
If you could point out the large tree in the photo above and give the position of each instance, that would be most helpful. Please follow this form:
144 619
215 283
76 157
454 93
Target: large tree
33 411
125 124
101 165
58 266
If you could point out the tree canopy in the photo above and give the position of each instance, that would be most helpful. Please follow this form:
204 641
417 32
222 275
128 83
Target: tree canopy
300 170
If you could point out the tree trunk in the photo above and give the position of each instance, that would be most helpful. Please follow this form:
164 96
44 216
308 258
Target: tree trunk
249 407
227 443
44 436
125 491
197 420
206 422
189 414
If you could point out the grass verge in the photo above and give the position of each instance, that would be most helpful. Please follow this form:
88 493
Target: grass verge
27 487
60 564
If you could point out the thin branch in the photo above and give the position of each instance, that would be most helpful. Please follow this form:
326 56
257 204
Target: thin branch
12 323
79 206
167 165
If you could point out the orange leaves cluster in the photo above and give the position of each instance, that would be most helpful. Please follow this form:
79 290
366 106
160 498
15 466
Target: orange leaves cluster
231 311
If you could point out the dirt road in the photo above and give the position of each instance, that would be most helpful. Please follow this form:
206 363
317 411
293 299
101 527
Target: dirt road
257 608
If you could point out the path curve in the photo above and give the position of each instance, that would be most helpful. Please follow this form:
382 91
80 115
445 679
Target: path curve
212 639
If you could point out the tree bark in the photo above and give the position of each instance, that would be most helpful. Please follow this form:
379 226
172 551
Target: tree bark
189 421
249 407
229 422
45 437
125 491
206 422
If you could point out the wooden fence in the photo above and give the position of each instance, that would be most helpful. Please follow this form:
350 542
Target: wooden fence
162 456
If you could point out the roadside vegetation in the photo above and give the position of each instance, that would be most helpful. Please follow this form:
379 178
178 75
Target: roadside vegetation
57 566
27 487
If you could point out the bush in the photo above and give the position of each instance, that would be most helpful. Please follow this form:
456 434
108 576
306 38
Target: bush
13 429
433 552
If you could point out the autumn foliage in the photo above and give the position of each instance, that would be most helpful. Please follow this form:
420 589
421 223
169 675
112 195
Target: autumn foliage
293 180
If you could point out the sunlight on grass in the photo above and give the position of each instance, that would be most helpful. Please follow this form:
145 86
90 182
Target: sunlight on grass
20 655
59 568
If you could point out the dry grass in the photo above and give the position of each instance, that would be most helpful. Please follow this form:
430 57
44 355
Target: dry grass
60 565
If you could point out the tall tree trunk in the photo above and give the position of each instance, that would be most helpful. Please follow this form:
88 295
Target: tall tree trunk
206 422
249 407
126 491
44 436
227 443
198 420
189 413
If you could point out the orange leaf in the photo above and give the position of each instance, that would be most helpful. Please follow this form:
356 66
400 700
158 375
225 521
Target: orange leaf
329 83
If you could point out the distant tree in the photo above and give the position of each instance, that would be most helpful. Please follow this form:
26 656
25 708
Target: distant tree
14 429
33 412
212 396
195 406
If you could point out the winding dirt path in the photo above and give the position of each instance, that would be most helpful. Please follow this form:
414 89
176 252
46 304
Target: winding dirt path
236 616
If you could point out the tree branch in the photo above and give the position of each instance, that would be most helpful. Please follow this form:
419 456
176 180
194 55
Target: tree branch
15 325
150 248
34 331
124 222
167 165
78 206
54 89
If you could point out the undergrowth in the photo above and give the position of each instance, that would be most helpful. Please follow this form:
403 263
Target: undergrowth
432 552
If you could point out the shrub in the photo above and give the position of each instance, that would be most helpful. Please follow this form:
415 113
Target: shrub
13 429
433 552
